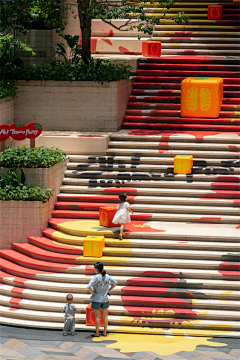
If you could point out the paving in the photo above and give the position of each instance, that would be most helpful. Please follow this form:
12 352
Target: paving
26 343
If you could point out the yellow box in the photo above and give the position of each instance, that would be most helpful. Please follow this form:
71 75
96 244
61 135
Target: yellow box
93 246
201 97
183 164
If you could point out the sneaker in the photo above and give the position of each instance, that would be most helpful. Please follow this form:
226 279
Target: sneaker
73 333
64 334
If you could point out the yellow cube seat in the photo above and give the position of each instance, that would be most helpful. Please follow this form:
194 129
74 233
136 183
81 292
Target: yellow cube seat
93 246
183 164
201 97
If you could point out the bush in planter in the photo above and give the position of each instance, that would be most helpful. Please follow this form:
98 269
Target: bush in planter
100 70
73 68
12 188
24 157
7 90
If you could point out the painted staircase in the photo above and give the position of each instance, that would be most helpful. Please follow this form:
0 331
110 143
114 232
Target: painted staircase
178 265
200 37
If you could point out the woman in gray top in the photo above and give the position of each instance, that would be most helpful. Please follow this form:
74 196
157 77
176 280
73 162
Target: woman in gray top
99 286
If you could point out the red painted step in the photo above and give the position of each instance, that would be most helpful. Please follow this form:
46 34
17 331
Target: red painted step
177 79
177 113
225 109
177 99
142 125
187 73
189 66
227 94
194 59
160 85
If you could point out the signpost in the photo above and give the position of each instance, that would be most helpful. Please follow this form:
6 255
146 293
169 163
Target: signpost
18 131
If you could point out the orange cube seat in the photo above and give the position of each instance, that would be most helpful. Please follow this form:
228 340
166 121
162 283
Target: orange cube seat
93 246
215 12
106 215
201 97
90 317
151 48
183 164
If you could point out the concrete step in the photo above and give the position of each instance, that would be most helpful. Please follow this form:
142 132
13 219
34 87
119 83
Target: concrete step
27 277
41 267
190 66
180 72
91 190
156 208
195 216
41 254
165 151
218 200
171 106
144 124
204 253
122 311
169 182
182 146
121 329
124 178
118 320
227 166
187 137
124 300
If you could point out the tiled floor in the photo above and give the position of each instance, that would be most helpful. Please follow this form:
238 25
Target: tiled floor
25 344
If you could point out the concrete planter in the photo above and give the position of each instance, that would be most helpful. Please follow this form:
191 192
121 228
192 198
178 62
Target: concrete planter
6 111
19 219
76 106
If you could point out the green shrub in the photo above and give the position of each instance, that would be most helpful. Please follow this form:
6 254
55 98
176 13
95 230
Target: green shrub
100 70
25 193
12 188
24 157
7 90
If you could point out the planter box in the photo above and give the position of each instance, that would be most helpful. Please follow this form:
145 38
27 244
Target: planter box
19 219
6 111
76 106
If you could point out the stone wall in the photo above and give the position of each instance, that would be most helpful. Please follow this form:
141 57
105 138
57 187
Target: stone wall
6 111
41 42
19 219
76 106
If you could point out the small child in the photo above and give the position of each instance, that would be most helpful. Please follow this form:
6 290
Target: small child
69 310
122 215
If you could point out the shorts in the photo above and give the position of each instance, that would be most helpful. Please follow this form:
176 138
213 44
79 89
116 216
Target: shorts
98 305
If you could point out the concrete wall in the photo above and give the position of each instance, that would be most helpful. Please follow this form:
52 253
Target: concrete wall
41 42
74 143
76 106
19 219
6 111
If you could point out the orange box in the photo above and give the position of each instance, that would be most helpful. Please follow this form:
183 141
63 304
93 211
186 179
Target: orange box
215 12
151 48
90 317
183 164
106 215
201 97
93 246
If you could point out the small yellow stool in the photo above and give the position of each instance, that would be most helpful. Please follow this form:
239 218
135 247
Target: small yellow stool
201 97
183 164
93 246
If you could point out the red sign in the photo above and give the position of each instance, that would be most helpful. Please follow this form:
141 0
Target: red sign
18 131
4 132
33 130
